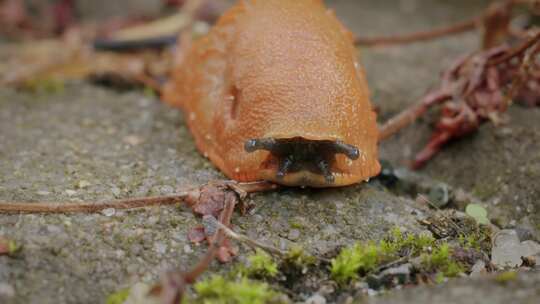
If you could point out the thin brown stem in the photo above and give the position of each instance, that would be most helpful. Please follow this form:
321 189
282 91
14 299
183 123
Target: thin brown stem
251 243
175 282
457 28
91 207
410 115
453 29
518 51
225 220
254 187
123 204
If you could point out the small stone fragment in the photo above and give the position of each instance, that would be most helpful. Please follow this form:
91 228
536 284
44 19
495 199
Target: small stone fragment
132 140
530 248
140 294
70 192
478 269
391 277
187 249
505 251
6 290
108 212
439 195
209 224
83 184
116 191
294 234
160 248
508 251
316 299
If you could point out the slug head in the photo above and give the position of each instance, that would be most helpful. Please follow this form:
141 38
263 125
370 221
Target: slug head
298 161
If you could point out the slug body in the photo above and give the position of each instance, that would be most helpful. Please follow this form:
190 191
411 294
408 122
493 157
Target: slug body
275 92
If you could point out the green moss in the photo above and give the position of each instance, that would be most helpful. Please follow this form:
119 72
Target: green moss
362 258
440 260
439 257
298 258
440 278
260 265
505 277
355 259
453 269
49 85
217 289
9 247
296 225
118 297
476 237
416 243
149 92
13 247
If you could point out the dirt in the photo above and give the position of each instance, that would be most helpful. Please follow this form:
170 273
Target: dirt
93 144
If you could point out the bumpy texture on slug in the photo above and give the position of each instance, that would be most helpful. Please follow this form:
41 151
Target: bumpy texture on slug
276 69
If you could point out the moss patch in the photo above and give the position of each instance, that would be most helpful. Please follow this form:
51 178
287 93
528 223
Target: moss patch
218 289
440 260
505 277
362 258
259 265
118 297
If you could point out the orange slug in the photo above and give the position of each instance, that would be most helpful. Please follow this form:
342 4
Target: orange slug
275 92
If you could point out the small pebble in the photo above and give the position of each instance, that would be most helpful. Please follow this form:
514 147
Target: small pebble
83 184
116 191
316 299
478 268
53 229
108 212
71 192
294 234
6 290
257 218
508 251
152 220
505 251
160 248
187 249
120 253
439 196
132 140
210 227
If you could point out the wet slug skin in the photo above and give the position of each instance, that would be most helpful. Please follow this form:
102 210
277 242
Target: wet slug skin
274 92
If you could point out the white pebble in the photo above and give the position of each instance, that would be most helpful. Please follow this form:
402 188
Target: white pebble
108 212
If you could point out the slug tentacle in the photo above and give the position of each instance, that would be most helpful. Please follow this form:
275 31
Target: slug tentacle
351 151
260 144
325 169
284 166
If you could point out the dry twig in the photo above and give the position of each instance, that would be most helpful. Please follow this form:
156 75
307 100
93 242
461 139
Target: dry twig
472 92
457 28
190 196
